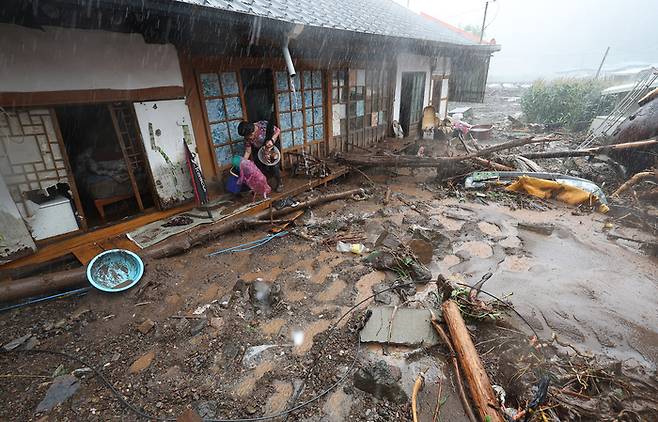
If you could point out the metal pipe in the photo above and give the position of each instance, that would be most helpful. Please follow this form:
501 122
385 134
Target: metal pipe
288 59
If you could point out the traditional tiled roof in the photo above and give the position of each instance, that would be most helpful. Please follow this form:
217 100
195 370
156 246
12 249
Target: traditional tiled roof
379 17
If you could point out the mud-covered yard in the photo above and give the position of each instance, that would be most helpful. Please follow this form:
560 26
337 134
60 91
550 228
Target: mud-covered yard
597 296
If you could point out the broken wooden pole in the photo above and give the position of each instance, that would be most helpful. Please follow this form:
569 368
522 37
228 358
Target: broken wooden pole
482 394
37 285
637 178
455 366
587 152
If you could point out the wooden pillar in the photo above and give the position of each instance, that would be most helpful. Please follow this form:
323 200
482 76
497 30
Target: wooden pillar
193 102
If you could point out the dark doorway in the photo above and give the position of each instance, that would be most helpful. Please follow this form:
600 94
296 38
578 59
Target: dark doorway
99 161
258 87
411 102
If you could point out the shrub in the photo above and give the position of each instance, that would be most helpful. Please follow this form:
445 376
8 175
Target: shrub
571 103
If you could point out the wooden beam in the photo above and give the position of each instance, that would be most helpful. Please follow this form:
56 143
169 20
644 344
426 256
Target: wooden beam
88 96
482 394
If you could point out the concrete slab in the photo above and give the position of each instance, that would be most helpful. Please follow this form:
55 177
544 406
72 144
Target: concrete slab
409 327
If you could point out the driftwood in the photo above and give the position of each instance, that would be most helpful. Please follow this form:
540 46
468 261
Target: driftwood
592 151
414 161
42 284
455 366
637 178
477 379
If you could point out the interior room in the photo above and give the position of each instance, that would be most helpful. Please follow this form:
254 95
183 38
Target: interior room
93 139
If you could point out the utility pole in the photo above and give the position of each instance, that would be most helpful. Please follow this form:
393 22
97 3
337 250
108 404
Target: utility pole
484 21
598 72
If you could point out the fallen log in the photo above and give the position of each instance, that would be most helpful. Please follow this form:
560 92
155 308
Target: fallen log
637 178
414 161
37 285
592 151
482 393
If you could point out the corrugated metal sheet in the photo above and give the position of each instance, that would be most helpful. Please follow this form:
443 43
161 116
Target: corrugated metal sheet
379 17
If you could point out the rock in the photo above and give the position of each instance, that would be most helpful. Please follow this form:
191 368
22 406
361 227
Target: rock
206 409
225 301
253 356
142 363
437 239
59 371
422 249
61 389
263 295
420 273
145 326
381 260
198 326
385 298
217 323
17 342
380 380
541 228
388 240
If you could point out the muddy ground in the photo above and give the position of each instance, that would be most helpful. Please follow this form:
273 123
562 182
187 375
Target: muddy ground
589 296
595 294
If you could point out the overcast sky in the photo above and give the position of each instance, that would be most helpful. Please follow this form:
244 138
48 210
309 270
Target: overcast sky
542 37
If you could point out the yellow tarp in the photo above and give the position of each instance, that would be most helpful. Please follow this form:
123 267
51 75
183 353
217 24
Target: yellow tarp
546 189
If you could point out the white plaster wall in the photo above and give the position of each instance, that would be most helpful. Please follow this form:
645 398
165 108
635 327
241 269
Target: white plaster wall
60 59
411 63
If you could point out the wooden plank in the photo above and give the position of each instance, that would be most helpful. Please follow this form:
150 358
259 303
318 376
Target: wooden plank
63 247
86 253
482 394
88 96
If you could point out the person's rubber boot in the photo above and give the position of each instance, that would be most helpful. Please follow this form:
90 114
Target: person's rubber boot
279 187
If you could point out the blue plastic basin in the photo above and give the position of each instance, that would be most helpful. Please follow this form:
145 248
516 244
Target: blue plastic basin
115 270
